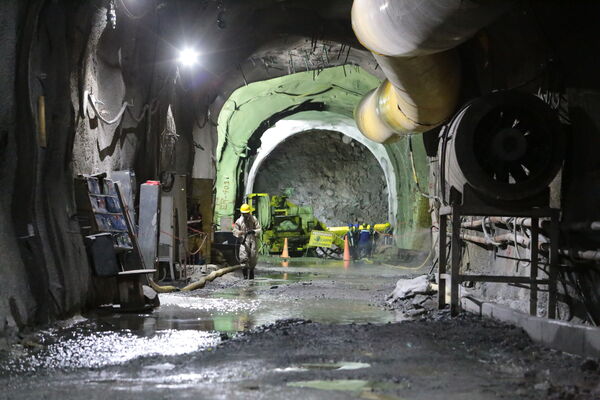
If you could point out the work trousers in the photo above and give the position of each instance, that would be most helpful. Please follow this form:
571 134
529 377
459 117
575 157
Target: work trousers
249 253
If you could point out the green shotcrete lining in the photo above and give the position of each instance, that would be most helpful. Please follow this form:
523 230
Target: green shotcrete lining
338 88
253 108
414 220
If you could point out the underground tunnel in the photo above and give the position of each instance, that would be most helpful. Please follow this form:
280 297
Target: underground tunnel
347 180
371 199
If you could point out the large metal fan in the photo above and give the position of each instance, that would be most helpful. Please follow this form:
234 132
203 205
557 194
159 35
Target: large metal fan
510 146
506 145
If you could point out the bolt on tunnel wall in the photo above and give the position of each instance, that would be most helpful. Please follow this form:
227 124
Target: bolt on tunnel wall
331 172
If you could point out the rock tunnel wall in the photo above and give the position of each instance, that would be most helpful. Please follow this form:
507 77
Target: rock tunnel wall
61 52
333 173
16 296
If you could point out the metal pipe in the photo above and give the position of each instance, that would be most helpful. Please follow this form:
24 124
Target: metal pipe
408 28
584 226
520 221
592 255
504 239
421 91
419 94
412 41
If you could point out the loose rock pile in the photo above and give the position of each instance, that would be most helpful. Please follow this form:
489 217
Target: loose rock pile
414 296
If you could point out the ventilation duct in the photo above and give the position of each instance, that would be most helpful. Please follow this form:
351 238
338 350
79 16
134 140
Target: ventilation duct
413 42
507 146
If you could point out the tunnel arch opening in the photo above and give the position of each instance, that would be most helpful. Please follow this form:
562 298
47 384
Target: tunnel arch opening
286 130
330 95
336 176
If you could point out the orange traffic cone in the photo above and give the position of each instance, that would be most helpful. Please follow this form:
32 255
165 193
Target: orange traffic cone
284 253
346 249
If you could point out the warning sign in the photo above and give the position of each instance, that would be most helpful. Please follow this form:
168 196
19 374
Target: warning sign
320 239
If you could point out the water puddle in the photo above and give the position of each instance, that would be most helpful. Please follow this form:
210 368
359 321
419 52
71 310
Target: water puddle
188 322
287 277
183 380
350 385
85 347
365 389
339 366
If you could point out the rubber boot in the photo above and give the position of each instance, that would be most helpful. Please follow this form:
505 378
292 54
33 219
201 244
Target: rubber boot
245 272
251 274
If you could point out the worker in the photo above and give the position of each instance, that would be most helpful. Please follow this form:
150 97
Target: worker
356 235
364 241
247 228
374 239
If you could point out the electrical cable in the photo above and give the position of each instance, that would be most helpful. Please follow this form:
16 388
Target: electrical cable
406 267
90 99
414 171
442 176
163 278
487 236
514 225
417 267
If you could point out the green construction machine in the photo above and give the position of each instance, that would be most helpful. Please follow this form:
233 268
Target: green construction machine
281 219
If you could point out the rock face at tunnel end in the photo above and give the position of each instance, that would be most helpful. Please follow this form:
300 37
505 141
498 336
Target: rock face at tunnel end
334 174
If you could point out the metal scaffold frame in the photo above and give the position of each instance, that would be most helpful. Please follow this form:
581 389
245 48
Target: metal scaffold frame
472 206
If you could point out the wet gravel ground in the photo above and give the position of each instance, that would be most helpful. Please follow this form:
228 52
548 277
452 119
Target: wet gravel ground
309 331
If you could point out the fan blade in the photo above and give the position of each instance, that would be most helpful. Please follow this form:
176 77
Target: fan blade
532 162
518 173
501 172
508 119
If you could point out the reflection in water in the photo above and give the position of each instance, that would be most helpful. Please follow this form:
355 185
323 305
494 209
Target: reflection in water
186 323
83 348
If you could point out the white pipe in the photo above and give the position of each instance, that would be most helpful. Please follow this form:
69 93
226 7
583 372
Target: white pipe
585 226
412 40
408 28
592 255
519 221
506 238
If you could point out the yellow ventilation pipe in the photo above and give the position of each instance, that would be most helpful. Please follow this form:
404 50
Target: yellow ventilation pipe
413 41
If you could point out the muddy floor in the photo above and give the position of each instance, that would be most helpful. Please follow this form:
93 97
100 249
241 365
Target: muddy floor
312 330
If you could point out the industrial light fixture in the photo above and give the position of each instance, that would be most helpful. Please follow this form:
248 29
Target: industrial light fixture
188 57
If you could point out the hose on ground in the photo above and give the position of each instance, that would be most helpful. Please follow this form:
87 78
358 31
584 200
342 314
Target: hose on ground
196 285
210 277
162 289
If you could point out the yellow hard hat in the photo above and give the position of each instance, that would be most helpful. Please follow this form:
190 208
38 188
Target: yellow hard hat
245 209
